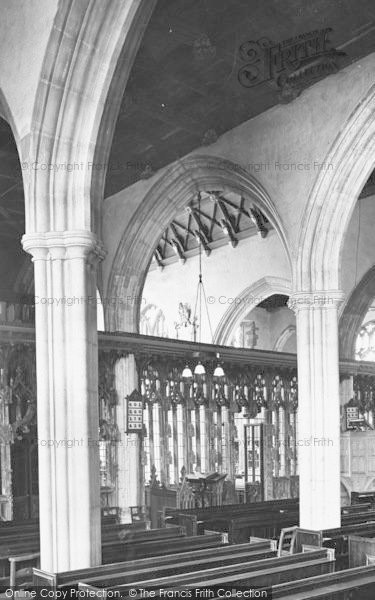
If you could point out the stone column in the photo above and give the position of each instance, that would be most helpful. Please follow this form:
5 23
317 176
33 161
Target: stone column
318 407
130 475
67 397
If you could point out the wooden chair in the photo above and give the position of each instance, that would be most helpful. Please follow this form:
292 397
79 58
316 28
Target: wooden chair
287 541
139 513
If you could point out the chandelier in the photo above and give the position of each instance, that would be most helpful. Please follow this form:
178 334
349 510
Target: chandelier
198 377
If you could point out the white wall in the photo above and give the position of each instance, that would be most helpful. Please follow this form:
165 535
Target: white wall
358 251
226 273
270 325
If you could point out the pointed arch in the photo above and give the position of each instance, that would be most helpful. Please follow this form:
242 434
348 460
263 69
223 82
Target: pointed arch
246 301
90 52
333 199
284 337
353 313
163 202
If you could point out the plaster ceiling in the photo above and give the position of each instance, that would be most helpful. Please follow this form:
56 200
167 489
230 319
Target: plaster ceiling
184 88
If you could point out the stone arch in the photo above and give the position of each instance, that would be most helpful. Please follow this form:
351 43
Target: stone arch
333 198
166 198
7 115
249 299
284 337
353 313
345 493
25 278
78 96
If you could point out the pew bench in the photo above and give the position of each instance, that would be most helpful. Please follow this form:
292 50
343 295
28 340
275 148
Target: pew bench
337 585
115 551
355 508
241 527
338 539
177 566
72 578
17 545
360 517
362 497
360 547
261 573
21 559
169 514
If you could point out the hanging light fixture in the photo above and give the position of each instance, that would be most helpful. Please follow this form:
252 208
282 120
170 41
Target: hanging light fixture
219 371
187 373
199 370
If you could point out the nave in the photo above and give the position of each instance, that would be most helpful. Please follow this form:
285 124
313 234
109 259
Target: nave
175 560
187 295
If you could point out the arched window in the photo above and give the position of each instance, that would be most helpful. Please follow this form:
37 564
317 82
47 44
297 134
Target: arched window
365 344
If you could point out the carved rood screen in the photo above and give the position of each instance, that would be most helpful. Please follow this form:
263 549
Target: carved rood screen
242 425
199 423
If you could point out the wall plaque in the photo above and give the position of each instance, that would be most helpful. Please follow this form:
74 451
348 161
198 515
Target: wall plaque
134 413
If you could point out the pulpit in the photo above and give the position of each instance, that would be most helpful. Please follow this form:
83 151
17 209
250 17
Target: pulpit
207 489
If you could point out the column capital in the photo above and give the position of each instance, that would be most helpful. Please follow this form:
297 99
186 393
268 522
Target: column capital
63 244
315 300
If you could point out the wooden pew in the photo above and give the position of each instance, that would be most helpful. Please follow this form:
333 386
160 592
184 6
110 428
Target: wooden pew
22 547
262 573
5 524
241 526
360 547
360 517
262 519
114 575
71 578
115 551
341 584
363 497
203 514
268 525
338 539
133 532
15 542
355 508
179 566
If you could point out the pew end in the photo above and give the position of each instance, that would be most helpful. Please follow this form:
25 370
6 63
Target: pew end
21 558
43 578
293 538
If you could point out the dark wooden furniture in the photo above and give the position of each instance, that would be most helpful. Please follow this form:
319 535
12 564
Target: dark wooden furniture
360 547
114 575
363 497
120 551
354 584
259 573
240 521
201 553
19 542
140 513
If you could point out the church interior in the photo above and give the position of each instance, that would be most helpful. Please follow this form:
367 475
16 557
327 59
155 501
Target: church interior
187 298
